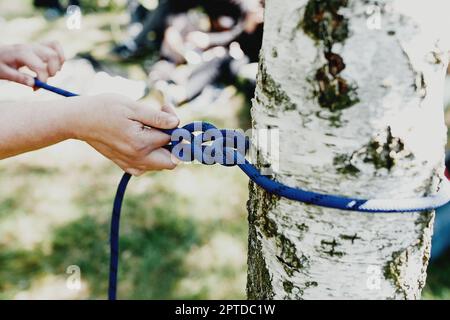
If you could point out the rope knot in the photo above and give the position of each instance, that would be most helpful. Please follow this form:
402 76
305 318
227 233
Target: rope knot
208 145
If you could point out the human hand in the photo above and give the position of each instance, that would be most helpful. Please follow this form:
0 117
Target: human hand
173 45
253 19
125 131
45 60
198 39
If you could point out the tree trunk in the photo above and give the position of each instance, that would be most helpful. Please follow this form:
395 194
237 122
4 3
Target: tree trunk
358 102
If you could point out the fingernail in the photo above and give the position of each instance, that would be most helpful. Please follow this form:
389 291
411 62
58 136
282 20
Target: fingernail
29 82
174 159
173 121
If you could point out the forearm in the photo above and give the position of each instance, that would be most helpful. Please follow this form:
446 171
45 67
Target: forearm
114 125
27 126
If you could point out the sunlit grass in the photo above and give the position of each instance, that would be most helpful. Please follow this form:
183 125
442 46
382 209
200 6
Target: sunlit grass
438 279
183 233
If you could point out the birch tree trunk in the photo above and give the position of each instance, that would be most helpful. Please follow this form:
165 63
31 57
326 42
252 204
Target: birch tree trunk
357 98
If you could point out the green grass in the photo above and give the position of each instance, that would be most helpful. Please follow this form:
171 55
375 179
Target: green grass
57 214
156 237
152 250
183 233
18 269
438 279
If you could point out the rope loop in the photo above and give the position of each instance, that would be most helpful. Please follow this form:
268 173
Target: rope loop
208 145
205 143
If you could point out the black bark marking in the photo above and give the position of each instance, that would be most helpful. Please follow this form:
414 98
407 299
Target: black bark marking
323 22
384 150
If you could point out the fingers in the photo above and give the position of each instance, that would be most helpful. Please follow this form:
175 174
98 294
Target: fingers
153 138
140 140
155 118
169 109
58 49
158 159
138 156
43 59
30 59
50 57
12 74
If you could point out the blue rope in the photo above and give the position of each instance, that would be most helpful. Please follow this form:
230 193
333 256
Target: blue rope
39 84
228 148
114 236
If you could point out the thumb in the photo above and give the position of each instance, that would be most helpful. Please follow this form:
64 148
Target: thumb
156 118
8 73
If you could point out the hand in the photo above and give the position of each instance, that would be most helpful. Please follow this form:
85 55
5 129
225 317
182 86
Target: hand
198 39
43 59
124 131
173 46
253 19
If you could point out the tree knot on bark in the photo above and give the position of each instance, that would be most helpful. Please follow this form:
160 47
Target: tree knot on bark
384 150
323 23
333 91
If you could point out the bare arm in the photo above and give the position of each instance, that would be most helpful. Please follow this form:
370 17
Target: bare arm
117 127
114 125
33 125
45 60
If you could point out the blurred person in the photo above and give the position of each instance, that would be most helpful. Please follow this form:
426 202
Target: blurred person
218 53
150 25
54 8
115 126
231 16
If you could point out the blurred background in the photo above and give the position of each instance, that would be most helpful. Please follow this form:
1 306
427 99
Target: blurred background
183 234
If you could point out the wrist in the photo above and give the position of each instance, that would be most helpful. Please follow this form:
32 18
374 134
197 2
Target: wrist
76 124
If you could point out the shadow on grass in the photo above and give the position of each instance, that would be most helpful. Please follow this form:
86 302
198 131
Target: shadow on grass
438 279
154 241
18 267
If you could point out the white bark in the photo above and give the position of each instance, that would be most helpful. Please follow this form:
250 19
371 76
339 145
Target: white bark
388 144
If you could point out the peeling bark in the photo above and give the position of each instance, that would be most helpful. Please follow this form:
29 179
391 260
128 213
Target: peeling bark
360 114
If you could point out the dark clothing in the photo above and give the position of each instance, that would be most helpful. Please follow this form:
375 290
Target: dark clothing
220 69
235 9
157 19
55 4
155 22
251 43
